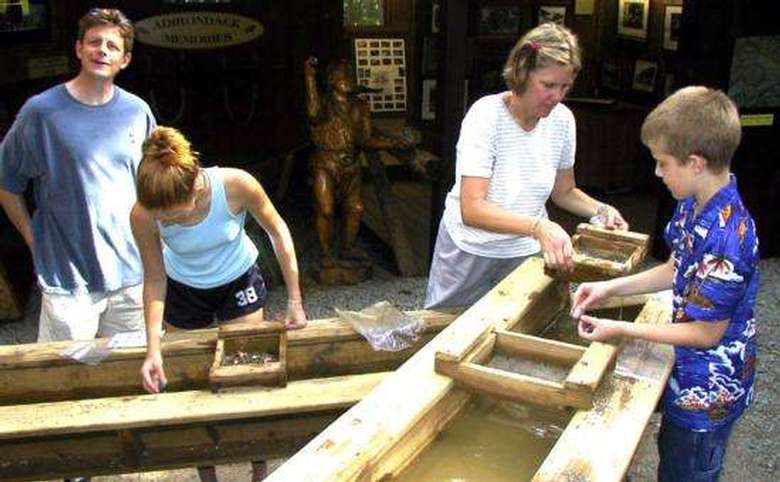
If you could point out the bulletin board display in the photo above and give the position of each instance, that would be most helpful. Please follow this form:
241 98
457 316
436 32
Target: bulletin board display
381 67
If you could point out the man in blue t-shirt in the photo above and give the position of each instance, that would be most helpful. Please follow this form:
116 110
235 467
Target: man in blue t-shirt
713 273
79 143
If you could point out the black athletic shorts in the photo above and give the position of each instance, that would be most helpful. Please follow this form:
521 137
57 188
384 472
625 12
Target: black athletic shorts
192 308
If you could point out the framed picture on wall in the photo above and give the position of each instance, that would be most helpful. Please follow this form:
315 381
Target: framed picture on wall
551 13
428 110
645 73
24 21
435 17
672 18
495 20
632 18
610 75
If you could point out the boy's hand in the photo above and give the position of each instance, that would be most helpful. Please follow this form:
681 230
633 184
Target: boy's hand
556 245
586 295
598 329
152 373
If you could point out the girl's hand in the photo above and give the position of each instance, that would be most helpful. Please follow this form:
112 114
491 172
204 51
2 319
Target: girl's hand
152 373
295 318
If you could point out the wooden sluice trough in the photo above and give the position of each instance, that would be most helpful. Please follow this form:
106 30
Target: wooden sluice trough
381 436
59 417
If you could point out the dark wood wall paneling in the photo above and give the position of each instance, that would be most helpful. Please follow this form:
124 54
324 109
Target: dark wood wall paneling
219 124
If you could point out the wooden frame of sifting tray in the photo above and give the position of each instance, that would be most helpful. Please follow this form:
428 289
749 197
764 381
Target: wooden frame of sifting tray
629 246
267 336
588 366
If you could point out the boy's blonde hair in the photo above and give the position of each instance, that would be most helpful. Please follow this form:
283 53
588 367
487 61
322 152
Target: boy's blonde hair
695 120
544 46
168 170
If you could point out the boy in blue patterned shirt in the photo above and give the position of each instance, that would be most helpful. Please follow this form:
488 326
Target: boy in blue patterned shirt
713 272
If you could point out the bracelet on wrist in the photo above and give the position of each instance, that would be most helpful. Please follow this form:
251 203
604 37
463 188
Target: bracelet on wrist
294 302
535 226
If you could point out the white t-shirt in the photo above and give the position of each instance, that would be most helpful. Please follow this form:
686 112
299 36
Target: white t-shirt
521 166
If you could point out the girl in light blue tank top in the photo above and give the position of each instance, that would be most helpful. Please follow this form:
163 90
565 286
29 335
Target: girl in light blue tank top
199 263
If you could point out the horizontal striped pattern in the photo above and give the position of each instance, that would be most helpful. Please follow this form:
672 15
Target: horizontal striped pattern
520 164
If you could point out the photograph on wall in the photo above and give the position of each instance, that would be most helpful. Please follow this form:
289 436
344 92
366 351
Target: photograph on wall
672 18
430 55
381 67
632 18
22 21
499 20
645 72
428 110
435 17
610 75
552 14
755 69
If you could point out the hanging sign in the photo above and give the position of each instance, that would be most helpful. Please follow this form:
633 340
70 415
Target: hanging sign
197 30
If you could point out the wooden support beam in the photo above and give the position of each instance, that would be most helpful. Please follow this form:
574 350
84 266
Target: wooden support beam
202 406
37 372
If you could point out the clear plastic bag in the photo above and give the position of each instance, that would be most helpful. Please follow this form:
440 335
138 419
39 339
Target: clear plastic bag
90 352
384 326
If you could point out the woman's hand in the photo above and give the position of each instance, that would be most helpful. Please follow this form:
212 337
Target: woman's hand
586 295
610 218
598 329
295 318
556 245
152 373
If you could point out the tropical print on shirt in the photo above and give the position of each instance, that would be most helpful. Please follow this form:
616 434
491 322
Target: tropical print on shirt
716 278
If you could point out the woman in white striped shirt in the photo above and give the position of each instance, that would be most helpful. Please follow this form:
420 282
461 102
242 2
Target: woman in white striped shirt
515 151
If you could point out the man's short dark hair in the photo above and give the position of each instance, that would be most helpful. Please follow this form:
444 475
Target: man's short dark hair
108 17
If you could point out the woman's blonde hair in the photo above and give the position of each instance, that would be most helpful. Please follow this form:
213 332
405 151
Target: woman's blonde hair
168 170
544 46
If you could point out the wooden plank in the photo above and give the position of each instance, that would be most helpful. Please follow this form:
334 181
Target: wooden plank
591 367
250 329
517 387
120 413
598 444
495 310
360 445
161 447
36 372
529 346
625 236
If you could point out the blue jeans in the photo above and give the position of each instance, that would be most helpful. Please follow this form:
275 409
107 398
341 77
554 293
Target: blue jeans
688 456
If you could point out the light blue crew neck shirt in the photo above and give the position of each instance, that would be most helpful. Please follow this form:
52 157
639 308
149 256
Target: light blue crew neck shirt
82 162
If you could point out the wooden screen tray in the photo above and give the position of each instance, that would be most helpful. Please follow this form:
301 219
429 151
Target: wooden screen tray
586 367
245 340
601 254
